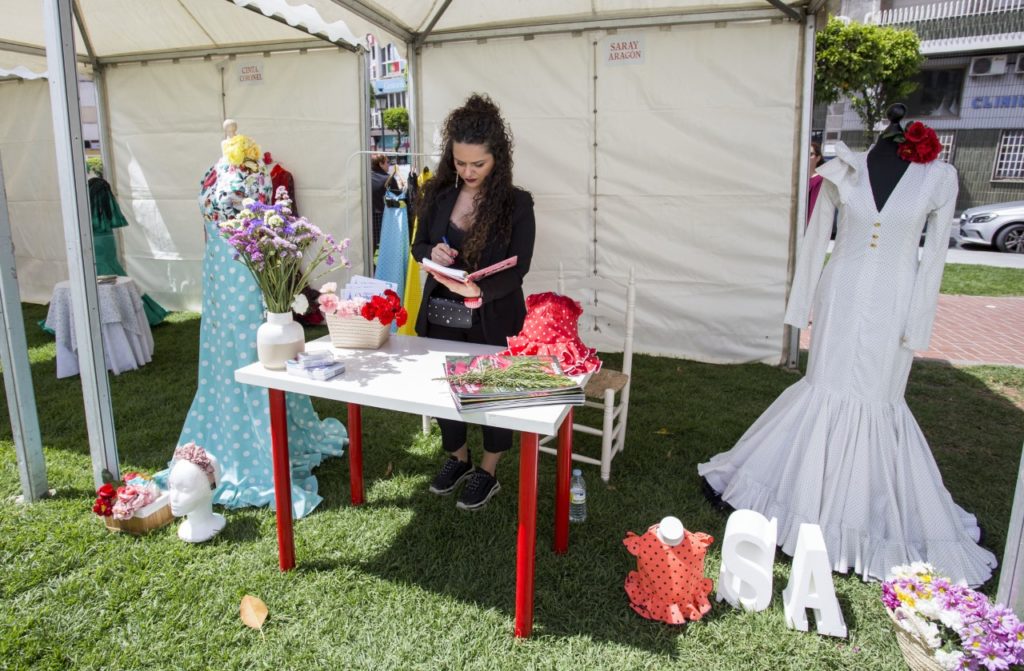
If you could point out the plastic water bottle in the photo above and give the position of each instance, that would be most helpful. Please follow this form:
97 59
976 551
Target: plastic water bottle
577 497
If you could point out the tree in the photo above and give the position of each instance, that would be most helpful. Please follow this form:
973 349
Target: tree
396 119
873 66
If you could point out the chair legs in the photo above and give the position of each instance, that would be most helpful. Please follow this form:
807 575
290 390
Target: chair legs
606 435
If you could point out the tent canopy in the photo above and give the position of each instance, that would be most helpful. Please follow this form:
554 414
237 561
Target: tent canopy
683 165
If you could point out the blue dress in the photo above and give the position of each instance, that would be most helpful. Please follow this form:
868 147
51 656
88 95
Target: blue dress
393 255
232 420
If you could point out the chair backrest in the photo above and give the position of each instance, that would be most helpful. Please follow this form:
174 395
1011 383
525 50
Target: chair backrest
608 311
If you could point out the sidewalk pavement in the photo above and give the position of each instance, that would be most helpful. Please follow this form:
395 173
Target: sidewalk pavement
973 330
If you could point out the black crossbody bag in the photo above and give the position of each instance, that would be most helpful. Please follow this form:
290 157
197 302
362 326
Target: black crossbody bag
449 312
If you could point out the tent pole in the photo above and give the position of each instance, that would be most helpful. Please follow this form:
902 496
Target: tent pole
366 204
412 56
70 150
791 337
21 397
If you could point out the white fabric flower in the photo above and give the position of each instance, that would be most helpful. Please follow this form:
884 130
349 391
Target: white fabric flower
300 304
949 660
329 288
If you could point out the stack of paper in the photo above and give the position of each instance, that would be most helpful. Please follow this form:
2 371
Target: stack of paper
558 389
315 365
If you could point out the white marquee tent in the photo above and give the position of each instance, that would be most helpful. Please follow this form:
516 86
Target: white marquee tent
685 159
683 163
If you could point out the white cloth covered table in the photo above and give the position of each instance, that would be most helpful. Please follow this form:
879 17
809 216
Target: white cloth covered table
127 340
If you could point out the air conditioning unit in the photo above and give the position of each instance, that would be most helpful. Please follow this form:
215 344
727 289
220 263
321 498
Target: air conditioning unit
985 66
1020 64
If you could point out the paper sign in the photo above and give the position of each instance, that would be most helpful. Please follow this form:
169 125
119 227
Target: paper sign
624 49
250 73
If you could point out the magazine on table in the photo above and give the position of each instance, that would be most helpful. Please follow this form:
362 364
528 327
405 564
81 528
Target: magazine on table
507 386
463 276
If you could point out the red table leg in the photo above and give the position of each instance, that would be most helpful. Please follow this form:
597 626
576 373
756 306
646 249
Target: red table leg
527 540
562 473
282 479
355 453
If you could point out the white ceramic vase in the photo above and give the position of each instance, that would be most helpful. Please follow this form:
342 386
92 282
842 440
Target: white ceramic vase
278 339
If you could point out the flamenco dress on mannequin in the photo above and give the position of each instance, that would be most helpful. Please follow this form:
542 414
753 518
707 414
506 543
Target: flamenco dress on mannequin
840 447
232 420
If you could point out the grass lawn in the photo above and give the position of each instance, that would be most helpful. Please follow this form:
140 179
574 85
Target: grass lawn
971 280
407 581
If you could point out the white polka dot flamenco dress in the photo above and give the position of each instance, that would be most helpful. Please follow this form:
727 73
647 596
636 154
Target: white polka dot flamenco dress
840 447
232 420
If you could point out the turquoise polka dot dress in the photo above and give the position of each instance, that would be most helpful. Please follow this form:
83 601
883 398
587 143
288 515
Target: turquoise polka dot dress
229 419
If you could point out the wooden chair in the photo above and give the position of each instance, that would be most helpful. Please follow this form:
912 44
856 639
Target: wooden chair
607 390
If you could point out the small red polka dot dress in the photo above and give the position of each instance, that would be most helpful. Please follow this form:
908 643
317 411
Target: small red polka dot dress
669 583
551 328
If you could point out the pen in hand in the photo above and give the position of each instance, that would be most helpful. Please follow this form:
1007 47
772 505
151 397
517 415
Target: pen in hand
444 239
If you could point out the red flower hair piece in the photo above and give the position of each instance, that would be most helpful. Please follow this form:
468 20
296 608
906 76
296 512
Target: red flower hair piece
920 144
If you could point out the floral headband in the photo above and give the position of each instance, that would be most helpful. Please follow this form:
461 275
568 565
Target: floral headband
193 453
239 150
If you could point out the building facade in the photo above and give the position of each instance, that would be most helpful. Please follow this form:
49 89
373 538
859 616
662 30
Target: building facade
389 88
971 89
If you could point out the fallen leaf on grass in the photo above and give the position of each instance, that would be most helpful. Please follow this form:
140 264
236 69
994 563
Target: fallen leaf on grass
389 470
253 611
663 432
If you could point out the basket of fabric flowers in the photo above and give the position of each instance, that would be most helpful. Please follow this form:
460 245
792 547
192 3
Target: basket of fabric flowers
363 322
137 506
944 625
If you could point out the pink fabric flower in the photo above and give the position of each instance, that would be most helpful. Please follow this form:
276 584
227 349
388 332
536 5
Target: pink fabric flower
328 303
198 456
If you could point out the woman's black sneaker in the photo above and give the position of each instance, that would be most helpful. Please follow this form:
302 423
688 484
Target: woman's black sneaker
451 475
479 490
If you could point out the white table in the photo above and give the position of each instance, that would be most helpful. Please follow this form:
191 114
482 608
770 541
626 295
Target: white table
127 340
401 376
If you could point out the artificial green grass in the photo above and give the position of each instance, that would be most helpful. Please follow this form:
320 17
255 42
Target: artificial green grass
407 581
972 280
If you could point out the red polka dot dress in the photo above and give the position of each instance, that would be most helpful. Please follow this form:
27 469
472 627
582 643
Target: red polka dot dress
551 328
669 583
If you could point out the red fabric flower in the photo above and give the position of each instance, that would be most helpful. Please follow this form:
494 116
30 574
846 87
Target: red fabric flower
385 309
106 491
920 144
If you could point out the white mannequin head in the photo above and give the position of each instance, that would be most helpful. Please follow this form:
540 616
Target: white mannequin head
671 531
192 480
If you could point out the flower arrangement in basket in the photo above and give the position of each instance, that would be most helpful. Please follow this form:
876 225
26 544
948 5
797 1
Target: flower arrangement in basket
362 321
137 506
944 625
280 250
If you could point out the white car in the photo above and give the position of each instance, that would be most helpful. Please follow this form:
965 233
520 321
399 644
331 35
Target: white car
1000 225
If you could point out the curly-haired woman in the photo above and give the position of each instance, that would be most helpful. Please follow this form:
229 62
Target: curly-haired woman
472 216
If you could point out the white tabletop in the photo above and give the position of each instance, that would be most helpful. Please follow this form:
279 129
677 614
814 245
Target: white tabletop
402 376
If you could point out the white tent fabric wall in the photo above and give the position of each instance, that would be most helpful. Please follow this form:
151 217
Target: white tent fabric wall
694 171
30 175
166 127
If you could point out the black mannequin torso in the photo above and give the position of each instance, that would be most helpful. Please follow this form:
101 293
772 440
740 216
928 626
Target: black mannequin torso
885 167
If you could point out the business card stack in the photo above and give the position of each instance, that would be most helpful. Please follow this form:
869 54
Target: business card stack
319 365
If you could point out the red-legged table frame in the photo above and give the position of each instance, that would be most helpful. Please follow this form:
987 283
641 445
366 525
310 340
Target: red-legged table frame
526 544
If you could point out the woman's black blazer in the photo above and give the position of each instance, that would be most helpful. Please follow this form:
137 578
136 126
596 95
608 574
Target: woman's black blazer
504 307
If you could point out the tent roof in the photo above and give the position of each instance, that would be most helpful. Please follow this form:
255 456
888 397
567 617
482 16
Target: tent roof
130 30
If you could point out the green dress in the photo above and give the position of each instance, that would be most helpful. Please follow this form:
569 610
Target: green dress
106 216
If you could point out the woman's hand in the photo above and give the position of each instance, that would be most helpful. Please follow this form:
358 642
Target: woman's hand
443 255
466 289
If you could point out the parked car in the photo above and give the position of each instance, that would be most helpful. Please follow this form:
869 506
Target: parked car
1000 225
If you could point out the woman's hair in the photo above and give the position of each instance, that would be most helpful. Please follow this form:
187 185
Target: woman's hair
477 122
816 148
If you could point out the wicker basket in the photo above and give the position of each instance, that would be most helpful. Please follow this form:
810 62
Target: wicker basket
916 654
355 332
154 516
